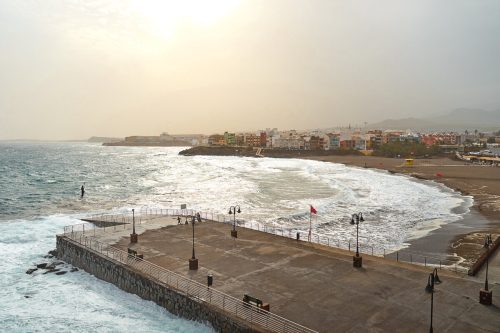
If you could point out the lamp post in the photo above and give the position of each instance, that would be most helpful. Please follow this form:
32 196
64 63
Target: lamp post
193 262
357 260
232 210
133 235
431 280
485 295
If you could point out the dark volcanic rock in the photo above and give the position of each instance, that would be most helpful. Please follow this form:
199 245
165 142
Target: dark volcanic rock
53 270
44 265
31 270
74 269
51 266
57 263
53 253
266 152
61 272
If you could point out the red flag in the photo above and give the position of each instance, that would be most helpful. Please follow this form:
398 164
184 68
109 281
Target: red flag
313 210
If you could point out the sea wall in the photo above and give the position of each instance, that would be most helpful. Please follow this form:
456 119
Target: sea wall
147 288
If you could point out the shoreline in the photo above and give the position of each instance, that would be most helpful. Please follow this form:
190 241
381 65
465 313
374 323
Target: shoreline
463 238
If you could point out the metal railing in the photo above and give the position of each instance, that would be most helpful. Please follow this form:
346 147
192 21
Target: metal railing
192 289
446 262
146 214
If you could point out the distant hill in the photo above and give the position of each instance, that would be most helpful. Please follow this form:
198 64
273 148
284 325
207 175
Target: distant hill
403 123
103 139
469 116
458 119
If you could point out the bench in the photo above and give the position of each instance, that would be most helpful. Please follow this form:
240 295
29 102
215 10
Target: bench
133 254
255 301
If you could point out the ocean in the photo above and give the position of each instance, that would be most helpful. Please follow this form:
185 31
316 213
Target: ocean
40 194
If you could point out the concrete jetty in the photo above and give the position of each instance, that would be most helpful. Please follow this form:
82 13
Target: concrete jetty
311 285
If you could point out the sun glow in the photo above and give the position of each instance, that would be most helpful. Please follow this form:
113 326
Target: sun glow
165 16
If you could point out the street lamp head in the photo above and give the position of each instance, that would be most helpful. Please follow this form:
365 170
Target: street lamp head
230 211
352 220
239 210
437 280
361 219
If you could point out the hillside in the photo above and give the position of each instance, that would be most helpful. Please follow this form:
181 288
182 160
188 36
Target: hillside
458 119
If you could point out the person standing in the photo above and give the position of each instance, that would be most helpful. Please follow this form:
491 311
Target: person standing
83 191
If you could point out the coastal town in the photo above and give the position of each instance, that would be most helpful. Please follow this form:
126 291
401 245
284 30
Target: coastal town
389 143
246 166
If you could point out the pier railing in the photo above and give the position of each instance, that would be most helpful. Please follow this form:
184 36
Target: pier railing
123 221
193 289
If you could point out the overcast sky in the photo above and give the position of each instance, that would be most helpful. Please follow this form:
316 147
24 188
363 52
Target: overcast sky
73 69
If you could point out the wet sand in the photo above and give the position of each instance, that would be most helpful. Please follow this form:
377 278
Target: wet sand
463 238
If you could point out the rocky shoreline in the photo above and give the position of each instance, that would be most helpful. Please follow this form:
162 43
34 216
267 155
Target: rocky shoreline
51 266
264 152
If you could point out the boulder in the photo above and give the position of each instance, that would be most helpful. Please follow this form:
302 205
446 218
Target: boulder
53 270
44 265
31 270
51 266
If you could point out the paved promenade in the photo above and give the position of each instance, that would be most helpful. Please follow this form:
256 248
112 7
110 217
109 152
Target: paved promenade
314 285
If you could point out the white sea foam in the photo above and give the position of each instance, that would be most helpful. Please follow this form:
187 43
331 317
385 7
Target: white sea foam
270 192
279 191
74 302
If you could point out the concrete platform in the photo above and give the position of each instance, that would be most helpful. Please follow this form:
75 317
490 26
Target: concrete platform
317 286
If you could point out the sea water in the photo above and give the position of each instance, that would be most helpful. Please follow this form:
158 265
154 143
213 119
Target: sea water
40 194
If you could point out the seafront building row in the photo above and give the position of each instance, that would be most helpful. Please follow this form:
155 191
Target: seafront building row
348 139
335 139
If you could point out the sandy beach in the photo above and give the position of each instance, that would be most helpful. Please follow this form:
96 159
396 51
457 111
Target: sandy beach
464 238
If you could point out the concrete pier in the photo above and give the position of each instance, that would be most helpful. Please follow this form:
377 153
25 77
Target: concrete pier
314 285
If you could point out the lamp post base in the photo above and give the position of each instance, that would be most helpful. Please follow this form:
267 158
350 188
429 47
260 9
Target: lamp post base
133 238
357 262
485 297
193 264
234 233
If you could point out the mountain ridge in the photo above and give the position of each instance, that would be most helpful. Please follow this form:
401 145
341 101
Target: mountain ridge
457 119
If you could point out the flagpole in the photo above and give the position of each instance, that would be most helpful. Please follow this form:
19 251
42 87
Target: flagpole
310 218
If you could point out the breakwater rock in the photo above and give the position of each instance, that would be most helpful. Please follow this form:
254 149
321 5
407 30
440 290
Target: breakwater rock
264 152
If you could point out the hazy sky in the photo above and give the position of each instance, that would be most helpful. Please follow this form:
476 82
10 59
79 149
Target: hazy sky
72 69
